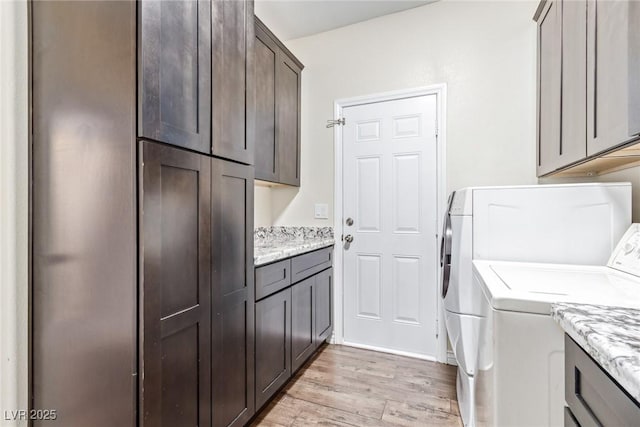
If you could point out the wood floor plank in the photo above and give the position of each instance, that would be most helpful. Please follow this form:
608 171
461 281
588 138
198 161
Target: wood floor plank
407 414
344 386
278 413
455 409
310 413
401 361
392 389
337 397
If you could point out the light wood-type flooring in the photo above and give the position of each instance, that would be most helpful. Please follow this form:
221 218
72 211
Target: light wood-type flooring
345 386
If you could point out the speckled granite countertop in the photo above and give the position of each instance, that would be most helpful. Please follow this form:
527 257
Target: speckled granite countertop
610 335
276 243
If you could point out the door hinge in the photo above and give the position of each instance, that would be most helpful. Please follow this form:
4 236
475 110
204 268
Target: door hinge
336 122
437 128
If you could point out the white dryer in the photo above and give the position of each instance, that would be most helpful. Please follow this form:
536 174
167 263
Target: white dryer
572 223
520 375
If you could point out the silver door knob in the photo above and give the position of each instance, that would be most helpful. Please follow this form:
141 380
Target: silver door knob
349 221
348 238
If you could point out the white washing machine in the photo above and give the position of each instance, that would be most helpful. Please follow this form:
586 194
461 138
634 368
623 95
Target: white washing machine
573 223
520 375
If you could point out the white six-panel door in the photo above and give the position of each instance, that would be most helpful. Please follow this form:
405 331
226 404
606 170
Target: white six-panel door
390 193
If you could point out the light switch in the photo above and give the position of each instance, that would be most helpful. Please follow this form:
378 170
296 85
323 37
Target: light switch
321 211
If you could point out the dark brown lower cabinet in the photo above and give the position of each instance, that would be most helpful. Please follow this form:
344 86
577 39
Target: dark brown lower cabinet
323 306
302 322
593 397
273 344
233 294
290 324
175 283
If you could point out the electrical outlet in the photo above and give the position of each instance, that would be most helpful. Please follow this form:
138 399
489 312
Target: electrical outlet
321 211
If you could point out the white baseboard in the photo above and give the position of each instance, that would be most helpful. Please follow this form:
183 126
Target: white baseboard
451 358
391 351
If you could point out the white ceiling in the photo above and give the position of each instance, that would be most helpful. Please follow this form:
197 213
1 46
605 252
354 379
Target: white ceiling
290 19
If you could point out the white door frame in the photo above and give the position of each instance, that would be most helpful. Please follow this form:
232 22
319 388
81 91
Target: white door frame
440 90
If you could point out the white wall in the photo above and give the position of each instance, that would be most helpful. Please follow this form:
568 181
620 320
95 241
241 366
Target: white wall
13 208
262 198
484 51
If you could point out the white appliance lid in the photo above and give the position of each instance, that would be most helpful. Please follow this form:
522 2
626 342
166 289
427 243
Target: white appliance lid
561 281
532 288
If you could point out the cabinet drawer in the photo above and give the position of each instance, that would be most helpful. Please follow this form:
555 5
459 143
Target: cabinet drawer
273 277
307 265
595 399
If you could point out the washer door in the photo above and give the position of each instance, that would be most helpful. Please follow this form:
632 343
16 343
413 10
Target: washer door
445 248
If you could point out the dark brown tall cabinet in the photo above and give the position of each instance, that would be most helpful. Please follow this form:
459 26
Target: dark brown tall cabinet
278 95
142 286
175 286
233 294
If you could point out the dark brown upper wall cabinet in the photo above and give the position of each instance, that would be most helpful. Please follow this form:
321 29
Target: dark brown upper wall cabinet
611 46
266 61
232 47
549 87
175 72
288 100
562 41
276 110
588 85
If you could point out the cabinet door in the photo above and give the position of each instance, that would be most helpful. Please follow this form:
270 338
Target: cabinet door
233 293
607 83
302 322
549 87
324 306
264 110
573 136
273 344
175 72
175 251
232 45
288 100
